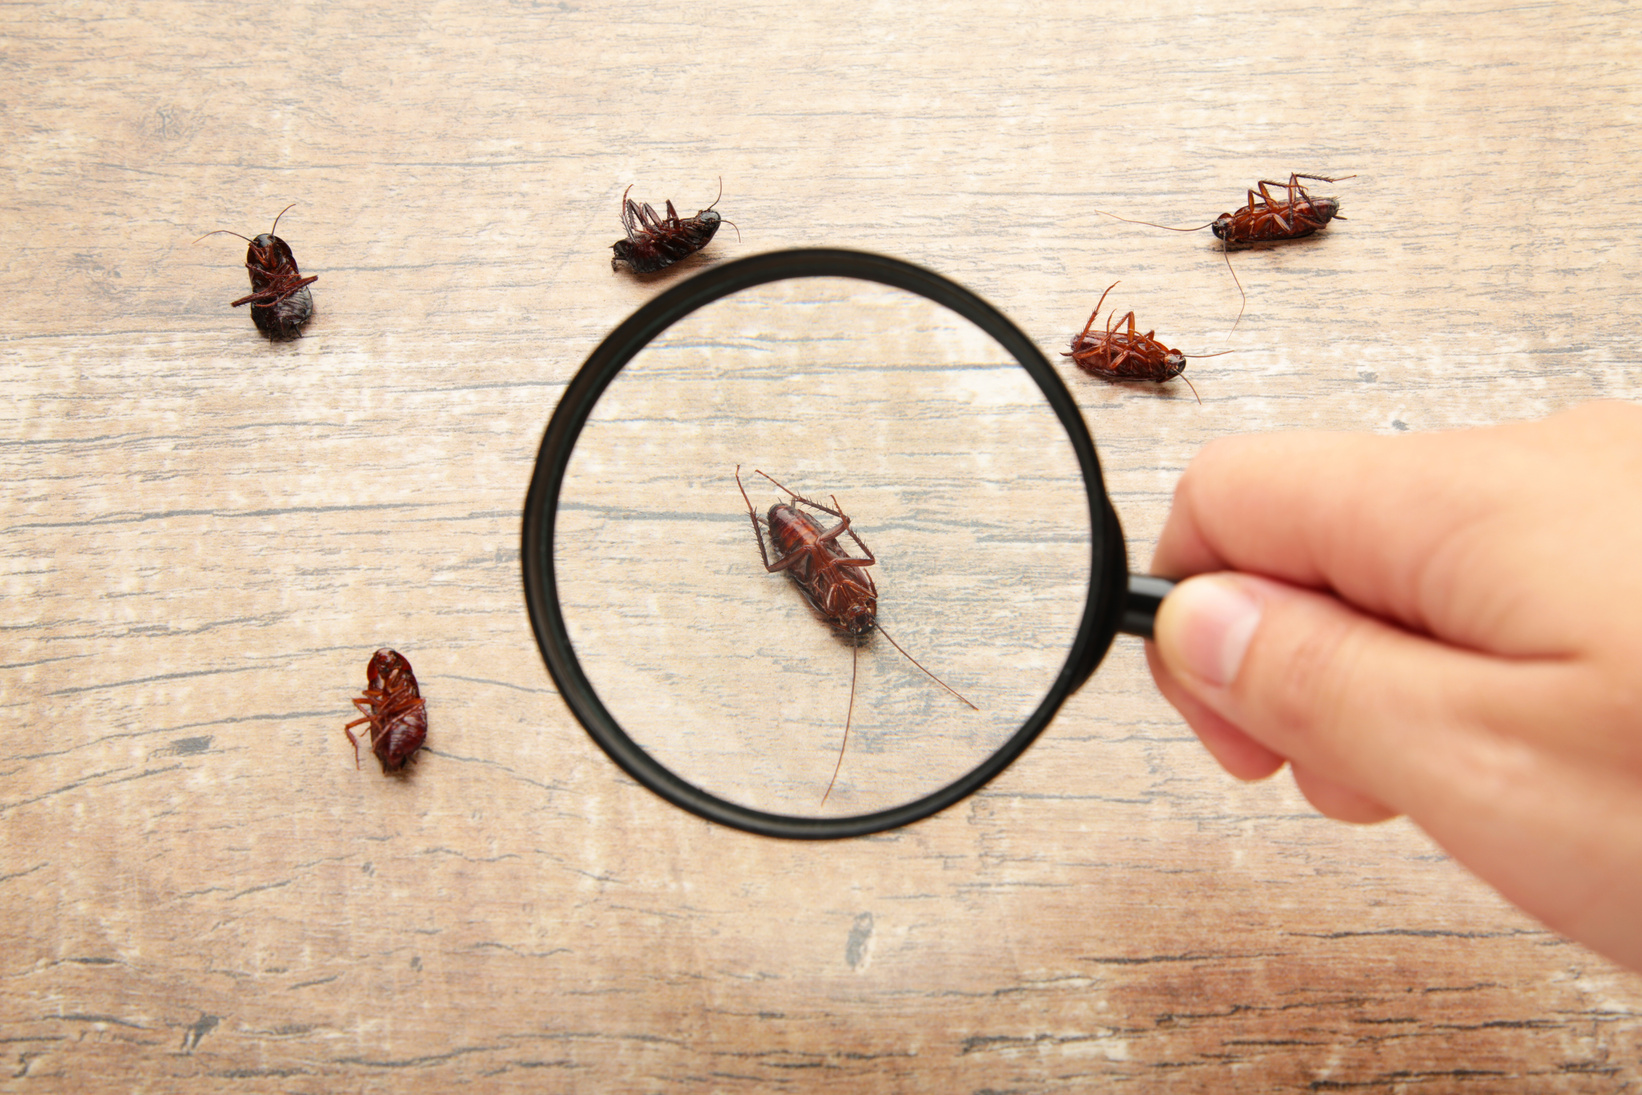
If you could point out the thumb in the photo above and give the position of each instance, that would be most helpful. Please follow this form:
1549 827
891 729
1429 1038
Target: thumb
1522 768
1359 708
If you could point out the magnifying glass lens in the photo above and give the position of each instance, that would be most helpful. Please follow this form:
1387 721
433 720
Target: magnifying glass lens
954 474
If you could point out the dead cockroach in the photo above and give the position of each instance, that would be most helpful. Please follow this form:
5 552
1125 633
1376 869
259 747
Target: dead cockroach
1122 354
1269 219
280 301
836 584
655 242
394 707
1265 220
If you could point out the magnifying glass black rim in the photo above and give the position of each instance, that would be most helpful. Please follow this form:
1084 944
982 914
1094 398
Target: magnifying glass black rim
1108 563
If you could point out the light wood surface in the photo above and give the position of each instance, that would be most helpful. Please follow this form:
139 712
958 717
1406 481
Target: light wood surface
206 536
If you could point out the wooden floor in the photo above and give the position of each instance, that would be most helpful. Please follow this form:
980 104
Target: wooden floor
206 536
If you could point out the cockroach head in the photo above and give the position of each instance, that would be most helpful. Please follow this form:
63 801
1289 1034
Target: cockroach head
858 622
1221 225
709 217
1174 363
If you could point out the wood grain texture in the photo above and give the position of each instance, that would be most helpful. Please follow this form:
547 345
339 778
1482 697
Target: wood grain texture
206 536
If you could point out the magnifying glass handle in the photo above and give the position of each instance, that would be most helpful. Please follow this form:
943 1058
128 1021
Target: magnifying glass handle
1146 593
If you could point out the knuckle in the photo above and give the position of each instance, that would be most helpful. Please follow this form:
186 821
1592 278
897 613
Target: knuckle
1306 672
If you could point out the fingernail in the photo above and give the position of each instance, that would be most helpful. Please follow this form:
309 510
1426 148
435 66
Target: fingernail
1206 623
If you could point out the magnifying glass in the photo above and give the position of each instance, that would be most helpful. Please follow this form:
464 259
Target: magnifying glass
939 461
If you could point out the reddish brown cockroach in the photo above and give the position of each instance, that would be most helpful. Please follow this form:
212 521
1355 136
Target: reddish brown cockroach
836 585
1117 354
394 707
280 300
655 242
1266 220
1269 219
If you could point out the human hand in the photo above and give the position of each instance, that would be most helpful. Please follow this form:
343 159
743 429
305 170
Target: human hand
1443 625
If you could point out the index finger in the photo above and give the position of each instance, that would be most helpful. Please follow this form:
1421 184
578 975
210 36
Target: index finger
1448 534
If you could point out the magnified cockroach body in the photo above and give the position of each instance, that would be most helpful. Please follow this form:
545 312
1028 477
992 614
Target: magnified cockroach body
1120 353
279 299
1264 220
655 242
394 708
835 583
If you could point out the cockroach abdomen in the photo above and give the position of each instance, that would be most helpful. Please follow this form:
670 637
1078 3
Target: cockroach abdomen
284 319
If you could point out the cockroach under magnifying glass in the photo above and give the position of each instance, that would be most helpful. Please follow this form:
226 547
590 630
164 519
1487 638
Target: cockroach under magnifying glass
817 544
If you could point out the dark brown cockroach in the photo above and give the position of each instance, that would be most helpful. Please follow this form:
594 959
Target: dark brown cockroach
836 584
1265 220
394 707
280 300
655 242
1119 353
